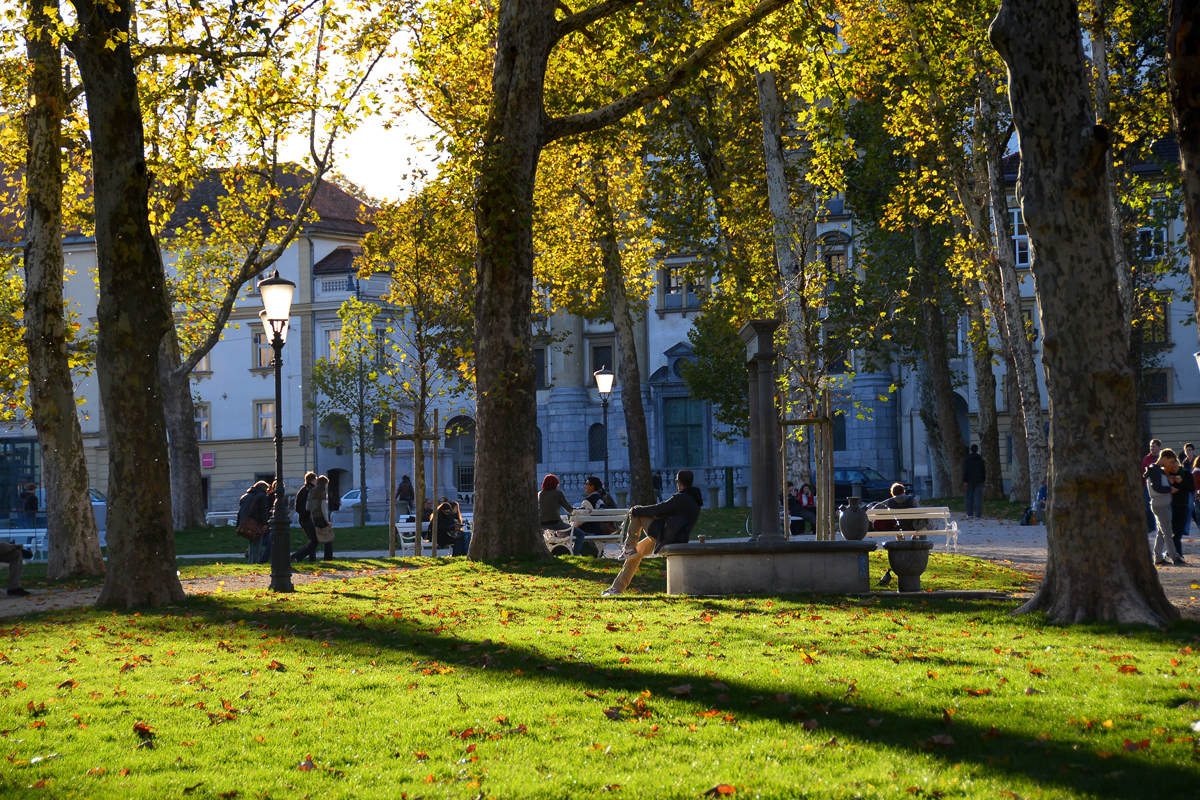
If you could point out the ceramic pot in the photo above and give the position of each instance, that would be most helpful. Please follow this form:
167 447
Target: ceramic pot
908 558
854 523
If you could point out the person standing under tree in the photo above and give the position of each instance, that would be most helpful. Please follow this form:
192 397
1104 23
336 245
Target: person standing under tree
1147 460
405 493
1181 507
974 477
670 522
1160 486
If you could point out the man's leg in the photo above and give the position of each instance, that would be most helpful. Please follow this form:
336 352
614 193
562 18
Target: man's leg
969 500
16 562
637 526
978 500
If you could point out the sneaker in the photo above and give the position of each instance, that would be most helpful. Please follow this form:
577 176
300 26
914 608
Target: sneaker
1179 562
1161 562
610 592
627 553
18 592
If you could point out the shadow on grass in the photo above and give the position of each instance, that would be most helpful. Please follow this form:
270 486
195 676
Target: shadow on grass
1009 750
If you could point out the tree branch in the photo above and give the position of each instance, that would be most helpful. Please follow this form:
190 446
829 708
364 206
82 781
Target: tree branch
196 50
558 127
581 19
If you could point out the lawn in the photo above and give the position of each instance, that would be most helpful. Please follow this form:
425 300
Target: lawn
456 679
993 509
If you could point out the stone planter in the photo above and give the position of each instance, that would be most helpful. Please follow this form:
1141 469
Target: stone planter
908 558
854 523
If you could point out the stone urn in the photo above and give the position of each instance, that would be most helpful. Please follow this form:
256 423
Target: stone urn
908 558
854 523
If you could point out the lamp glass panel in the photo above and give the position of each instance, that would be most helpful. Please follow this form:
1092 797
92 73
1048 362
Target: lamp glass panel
604 380
277 296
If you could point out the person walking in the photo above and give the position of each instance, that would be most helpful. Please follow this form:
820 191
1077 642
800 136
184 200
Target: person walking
304 516
1160 487
1181 506
550 500
29 506
671 521
593 499
1147 460
253 506
657 486
318 509
974 477
405 493
15 555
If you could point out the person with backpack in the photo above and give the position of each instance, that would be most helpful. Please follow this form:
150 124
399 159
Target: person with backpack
974 477
593 500
304 516
253 520
1160 486
669 522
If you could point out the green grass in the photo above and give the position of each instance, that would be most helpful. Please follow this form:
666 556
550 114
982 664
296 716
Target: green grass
993 509
223 539
500 680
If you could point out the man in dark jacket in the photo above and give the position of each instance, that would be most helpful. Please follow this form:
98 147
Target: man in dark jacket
255 505
664 523
405 493
1180 507
304 517
974 477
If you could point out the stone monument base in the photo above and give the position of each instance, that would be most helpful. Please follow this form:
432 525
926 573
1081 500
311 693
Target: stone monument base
781 567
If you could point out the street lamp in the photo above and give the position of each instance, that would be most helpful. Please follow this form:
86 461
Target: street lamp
277 305
604 382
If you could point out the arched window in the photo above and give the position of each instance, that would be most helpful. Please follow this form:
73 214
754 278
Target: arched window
539 445
835 253
597 443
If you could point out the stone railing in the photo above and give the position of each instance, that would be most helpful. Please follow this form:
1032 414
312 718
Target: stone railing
707 479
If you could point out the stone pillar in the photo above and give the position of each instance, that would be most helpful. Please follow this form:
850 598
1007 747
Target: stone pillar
758 335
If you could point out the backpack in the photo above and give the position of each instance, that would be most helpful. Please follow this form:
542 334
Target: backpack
1029 517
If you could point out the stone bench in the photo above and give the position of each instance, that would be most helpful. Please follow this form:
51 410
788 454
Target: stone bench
775 567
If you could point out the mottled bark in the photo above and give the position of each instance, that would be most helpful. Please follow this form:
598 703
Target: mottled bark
985 392
74 541
1019 489
1183 59
517 129
937 361
1098 565
629 375
943 486
187 485
133 315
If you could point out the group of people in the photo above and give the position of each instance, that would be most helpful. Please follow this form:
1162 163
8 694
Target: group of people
551 499
311 504
1171 484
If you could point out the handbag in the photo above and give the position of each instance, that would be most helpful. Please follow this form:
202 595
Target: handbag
324 533
250 529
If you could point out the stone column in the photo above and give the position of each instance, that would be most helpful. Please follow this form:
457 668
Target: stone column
758 335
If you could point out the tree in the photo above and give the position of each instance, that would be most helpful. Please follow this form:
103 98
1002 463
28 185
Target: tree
1183 55
74 540
1098 565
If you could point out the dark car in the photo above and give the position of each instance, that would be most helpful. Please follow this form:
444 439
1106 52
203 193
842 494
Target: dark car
874 486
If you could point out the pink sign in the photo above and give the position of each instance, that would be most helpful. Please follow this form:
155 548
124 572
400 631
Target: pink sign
208 460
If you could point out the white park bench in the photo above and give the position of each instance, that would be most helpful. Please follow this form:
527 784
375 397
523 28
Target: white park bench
617 516
406 533
33 538
221 518
933 515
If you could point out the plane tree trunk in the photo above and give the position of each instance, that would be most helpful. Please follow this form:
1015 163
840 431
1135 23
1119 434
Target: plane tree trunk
641 482
1183 60
985 392
1098 565
187 485
133 316
74 540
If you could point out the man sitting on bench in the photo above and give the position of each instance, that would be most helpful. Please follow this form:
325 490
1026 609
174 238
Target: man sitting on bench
665 523
15 555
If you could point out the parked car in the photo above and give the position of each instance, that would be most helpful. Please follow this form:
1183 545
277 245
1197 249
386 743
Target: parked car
99 508
350 499
874 486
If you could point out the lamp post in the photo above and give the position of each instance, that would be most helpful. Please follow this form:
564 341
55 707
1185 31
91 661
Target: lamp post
604 382
277 304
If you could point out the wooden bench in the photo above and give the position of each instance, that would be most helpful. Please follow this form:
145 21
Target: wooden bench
933 514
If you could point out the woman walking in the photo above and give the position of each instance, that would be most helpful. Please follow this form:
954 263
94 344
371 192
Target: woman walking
318 507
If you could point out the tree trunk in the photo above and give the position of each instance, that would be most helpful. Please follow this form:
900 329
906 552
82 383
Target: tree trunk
1098 564
641 482
505 522
1019 491
133 315
938 472
1183 59
74 540
1030 397
937 362
985 392
187 485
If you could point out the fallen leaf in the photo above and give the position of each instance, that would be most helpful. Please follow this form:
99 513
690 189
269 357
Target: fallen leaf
68 684
97 771
682 690
719 686
875 723
1127 669
275 665
227 795
190 789
1104 753
942 740
719 790
991 733
833 742
1029 690
124 772
1133 747
143 730
948 717
307 764
809 724
978 692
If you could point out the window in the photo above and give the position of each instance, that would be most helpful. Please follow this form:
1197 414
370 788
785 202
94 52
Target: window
839 432
1155 322
678 292
332 340
1029 314
264 414
203 365
602 356
597 443
262 351
539 369
683 429
1156 383
203 431
1020 237
381 346
837 355
1151 243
